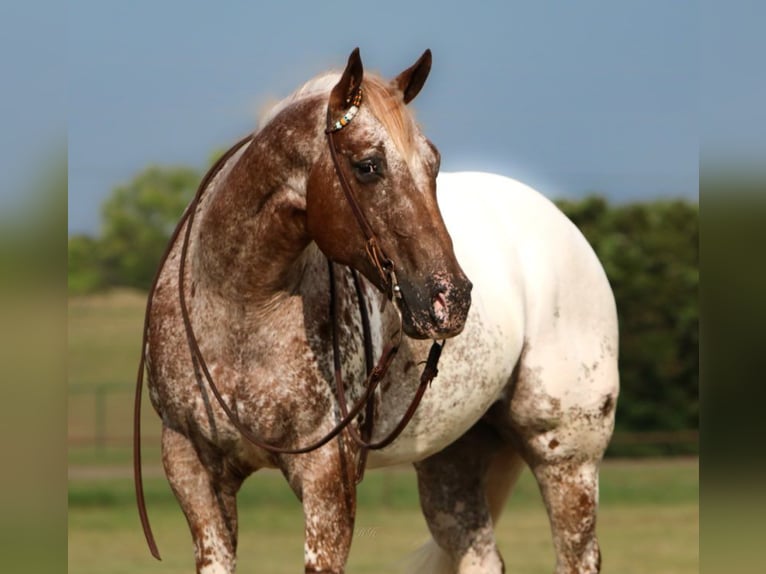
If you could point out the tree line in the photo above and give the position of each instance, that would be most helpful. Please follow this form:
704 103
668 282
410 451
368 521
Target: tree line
650 252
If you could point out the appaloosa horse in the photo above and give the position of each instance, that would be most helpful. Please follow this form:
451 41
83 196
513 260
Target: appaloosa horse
240 335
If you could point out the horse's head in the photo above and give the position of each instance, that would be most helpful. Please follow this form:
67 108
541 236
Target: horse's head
390 168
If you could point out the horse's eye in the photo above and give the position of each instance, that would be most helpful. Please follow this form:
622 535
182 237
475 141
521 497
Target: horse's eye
369 169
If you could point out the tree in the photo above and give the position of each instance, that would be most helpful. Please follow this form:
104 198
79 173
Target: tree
650 253
85 272
138 219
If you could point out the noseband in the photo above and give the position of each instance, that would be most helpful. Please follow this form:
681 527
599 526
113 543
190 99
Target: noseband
385 267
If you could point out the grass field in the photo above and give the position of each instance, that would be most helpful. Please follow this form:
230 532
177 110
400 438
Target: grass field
104 342
648 521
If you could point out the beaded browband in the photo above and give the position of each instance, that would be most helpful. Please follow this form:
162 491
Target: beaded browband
349 115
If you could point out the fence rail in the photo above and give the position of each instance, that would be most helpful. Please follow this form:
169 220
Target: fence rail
100 419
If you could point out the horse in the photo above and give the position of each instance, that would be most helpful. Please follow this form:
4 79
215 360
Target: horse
312 245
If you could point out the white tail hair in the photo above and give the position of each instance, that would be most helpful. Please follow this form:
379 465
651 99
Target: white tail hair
429 559
502 474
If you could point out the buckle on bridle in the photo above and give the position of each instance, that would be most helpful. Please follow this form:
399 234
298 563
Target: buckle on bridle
396 290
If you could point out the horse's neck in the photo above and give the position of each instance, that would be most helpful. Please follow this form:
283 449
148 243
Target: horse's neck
251 228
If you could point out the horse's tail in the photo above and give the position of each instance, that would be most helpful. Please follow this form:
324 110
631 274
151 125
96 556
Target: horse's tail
502 474
429 559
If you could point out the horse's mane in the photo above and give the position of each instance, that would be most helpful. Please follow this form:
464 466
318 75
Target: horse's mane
385 103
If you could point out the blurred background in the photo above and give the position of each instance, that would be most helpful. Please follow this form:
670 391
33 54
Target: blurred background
593 103
604 107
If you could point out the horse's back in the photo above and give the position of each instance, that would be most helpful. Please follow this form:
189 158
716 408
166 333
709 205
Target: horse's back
536 278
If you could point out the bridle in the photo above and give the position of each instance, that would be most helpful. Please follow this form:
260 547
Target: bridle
383 264
385 267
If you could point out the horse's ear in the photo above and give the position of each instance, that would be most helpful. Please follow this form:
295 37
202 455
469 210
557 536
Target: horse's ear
411 80
343 93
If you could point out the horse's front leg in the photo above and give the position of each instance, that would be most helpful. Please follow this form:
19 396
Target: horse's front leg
324 482
207 495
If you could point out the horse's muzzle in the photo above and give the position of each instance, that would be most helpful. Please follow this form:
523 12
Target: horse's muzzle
438 310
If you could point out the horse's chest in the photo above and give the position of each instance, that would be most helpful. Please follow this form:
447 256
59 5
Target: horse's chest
474 369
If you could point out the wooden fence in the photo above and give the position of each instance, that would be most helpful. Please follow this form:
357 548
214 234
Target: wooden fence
101 418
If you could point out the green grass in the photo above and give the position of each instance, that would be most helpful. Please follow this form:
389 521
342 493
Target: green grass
104 344
648 522
104 337
660 539
623 483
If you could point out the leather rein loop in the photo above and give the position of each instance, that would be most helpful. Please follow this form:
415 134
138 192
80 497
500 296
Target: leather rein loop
385 268
137 472
363 436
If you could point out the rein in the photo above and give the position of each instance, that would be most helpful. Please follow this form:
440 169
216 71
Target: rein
386 270
429 374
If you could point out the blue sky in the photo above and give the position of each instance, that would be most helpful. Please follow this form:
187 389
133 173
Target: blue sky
570 97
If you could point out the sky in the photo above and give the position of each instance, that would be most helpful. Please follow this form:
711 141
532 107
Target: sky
569 97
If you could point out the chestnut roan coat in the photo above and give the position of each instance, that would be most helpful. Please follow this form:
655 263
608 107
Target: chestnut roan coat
531 376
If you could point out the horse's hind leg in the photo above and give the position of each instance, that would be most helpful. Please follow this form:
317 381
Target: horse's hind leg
208 500
564 425
570 492
462 491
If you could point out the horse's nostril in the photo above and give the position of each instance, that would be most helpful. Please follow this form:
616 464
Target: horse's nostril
439 305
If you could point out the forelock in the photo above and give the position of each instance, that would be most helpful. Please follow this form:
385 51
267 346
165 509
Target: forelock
388 106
